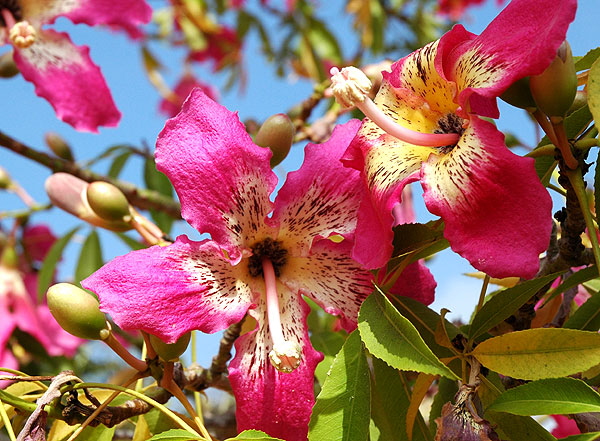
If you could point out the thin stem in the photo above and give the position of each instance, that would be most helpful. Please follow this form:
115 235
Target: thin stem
564 146
484 287
576 179
6 421
178 393
388 125
273 313
100 408
118 348
197 399
23 195
546 126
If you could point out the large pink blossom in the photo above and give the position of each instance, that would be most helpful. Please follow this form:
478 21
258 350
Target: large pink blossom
262 258
496 212
63 73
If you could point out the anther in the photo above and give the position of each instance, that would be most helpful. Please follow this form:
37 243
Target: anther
22 34
350 86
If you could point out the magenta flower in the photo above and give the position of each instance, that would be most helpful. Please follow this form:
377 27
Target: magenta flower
63 73
172 105
455 9
496 212
262 258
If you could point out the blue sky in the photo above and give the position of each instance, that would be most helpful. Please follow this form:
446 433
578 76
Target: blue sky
27 118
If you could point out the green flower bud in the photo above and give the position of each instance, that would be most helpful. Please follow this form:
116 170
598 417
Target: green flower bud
519 95
554 89
170 351
107 201
77 311
8 68
5 181
276 133
59 146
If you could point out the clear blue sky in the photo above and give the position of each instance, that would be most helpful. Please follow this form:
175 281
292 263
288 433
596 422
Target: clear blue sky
27 117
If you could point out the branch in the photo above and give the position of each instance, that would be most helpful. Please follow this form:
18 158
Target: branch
141 198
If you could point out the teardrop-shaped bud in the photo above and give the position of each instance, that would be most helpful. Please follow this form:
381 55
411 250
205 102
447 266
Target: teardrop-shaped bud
170 351
59 146
8 67
77 311
107 201
5 181
554 89
519 95
276 133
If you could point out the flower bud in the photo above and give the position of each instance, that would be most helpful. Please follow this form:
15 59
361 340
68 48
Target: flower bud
170 351
276 133
107 201
519 95
70 194
8 68
9 258
77 311
5 181
554 89
286 356
59 146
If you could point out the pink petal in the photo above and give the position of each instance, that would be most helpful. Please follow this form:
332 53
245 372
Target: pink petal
186 84
37 241
496 211
565 426
322 197
331 278
222 178
521 41
277 403
168 291
64 75
125 14
416 282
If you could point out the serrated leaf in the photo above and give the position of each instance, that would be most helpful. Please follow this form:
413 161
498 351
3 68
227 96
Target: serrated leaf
593 89
587 60
175 435
534 354
390 398
587 316
342 409
90 257
46 273
505 303
559 396
255 435
392 338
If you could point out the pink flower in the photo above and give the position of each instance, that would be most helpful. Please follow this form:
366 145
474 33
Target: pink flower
263 256
496 212
171 107
565 426
63 73
223 48
456 8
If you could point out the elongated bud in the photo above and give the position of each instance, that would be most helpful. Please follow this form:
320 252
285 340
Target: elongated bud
77 311
8 68
59 146
170 351
276 133
554 89
5 181
286 356
70 194
519 95
107 201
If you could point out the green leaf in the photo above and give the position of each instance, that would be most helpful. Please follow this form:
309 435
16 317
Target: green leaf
342 408
46 274
175 435
540 353
593 88
90 257
130 242
573 280
587 316
591 436
505 303
547 397
157 181
255 435
392 338
99 433
413 237
587 60
118 163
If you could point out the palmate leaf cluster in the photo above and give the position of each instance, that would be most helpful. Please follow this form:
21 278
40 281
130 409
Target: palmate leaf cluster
527 349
